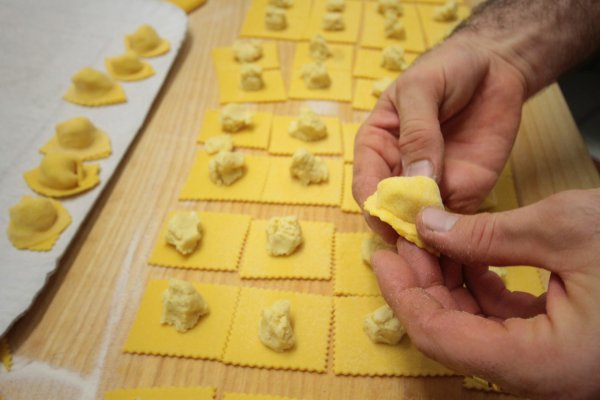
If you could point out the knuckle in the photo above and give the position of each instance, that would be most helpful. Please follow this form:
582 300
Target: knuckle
483 232
418 134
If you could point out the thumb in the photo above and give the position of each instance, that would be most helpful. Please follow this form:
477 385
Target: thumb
421 142
517 237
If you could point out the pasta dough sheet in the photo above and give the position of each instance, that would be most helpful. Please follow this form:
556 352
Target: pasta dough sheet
476 383
349 131
249 187
524 279
436 31
312 259
340 89
90 180
162 393
342 57
254 23
205 341
220 248
311 319
223 57
373 34
352 275
282 188
368 64
231 91
348 203
363 97
255 136
284 143
352 17
504 191
243 396
356 354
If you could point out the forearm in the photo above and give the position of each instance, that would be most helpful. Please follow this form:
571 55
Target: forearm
541 38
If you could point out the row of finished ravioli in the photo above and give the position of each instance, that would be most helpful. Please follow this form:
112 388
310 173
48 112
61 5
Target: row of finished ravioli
218 327
36 222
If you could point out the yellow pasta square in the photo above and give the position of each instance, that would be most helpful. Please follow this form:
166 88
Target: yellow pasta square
349 131
436 31
351 16
311 260
162 393
255 136
348 203
339 90
231 91
356 354
243 396
223 57
373 34
524 279
363 95
220 248
254 23
284 143
206 340
368 64
342 57
352 275
249 187
282 188
311 319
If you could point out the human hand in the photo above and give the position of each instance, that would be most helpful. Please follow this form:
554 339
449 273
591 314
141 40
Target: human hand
453 116
544 347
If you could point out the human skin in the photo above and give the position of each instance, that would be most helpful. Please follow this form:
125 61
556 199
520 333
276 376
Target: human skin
454 116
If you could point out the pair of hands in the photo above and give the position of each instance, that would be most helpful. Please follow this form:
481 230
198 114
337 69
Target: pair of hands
454 116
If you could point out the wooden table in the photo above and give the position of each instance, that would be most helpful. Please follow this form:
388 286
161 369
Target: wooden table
68 346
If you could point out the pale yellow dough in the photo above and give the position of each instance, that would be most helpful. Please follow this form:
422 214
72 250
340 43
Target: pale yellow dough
380 85
248 50
184 232
316 76
370 245
398 200
309 127
335 5
79 137
94 88
235 117
36 222
384 6
251 77
307 168
447 12
381 326
275 19
501 272
392 58
333 21
218 143
128 67
275 328
226 168
284 235
319 49
60 171
182 305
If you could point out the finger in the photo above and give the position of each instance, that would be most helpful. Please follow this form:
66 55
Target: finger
497 301
386 232
517 237
418 96
426 266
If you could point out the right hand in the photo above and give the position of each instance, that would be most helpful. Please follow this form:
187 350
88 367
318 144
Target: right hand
453 116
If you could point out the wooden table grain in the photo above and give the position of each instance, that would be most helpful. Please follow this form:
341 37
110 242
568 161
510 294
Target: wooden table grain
69 345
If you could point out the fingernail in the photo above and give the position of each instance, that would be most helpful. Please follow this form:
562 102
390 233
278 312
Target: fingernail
419 168
438 220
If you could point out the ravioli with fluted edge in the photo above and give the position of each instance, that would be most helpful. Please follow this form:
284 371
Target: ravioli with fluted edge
128 67
399 199
79 137
36 223
91 88
62 175
146 42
